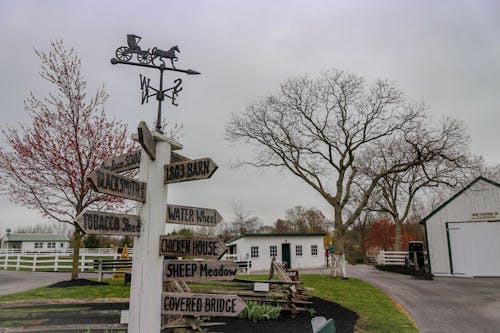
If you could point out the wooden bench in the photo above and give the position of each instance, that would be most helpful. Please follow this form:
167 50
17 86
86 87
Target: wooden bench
244 265
110 266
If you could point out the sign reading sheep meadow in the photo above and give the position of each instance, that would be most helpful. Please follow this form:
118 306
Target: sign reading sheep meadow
196 270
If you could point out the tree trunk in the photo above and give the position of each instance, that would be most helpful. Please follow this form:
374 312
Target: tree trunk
338 258
77 237
397 235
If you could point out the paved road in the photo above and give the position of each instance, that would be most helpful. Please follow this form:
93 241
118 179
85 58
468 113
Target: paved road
16 281
444 304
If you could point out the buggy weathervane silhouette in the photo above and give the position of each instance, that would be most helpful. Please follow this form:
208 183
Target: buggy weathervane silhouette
124 53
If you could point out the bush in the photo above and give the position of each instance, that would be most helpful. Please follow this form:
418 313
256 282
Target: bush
256 311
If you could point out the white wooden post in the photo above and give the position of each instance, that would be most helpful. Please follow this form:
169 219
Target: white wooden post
82 262
56 262
6 260
18 261
146 285
34 262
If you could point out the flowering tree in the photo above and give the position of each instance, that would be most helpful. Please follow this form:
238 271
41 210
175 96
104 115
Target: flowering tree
46 163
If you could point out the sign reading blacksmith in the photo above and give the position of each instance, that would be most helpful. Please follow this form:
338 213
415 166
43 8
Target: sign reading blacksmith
190 246
202 304
202 168
105 223
193 215
196 270
104 181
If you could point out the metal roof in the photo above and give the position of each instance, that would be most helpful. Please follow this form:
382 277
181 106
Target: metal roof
35 238
276 235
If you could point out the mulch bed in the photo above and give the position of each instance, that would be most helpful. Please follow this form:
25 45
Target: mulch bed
77 283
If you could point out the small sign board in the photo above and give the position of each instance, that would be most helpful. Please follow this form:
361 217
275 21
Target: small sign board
108 182
123 162
485 216
175 157
190 246
202 304
104 223
196 270
147 140
193 215
202 168
261 286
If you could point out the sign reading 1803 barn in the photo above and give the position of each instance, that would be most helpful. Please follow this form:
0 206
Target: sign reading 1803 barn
202 304
202 168
195 270
103 223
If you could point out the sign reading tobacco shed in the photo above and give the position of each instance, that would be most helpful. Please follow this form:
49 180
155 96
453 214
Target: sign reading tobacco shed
104 181
104 223
202 304
186 246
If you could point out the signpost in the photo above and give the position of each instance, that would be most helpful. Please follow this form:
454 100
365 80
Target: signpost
198 270
202 168
202 304
147 140
193 215
190 246
104 223
123 162
104 181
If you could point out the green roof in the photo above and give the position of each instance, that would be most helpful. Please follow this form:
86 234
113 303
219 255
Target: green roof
276 235
431 214
35 238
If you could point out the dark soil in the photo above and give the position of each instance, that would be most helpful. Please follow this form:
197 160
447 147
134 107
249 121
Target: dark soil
344 319
420 275
77 283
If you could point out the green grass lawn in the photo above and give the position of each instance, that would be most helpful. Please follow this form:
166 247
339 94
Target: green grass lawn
377 312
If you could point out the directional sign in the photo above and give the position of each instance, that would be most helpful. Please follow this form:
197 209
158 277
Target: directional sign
190 246
104 223
104 181
201 304
196 270
192 215
174 158
202 168
146 139
123 162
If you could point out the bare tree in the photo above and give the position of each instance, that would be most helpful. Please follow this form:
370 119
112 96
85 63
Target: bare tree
396 192
243 221
49 161
306 220
321 130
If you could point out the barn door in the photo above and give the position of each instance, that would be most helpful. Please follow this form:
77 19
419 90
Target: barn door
285 254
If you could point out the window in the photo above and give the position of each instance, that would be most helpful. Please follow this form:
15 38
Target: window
298 250
51 245
38 245
254 251
61 245
273 251
314 250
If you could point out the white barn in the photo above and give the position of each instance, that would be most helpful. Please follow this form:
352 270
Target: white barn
463 234
298 250
35 242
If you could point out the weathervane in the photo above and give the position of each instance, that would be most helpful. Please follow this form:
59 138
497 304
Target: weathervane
146 58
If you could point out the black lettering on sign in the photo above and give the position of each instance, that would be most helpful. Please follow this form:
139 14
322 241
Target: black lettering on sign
105 223
201 304
189 170
199 270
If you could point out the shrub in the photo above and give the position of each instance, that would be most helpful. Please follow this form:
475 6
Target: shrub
256 311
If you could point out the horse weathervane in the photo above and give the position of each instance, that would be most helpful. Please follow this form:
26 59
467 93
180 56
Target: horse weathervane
147 58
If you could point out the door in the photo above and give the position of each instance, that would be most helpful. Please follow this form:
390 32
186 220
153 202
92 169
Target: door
285 254
475 248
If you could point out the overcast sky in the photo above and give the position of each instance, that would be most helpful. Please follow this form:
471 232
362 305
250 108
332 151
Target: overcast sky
445 53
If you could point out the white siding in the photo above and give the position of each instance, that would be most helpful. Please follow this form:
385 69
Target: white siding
263 262
480 197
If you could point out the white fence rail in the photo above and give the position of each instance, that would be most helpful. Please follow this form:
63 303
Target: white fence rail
97 251
391 257
51 261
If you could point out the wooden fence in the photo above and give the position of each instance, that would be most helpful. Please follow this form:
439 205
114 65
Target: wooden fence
391 257
50 262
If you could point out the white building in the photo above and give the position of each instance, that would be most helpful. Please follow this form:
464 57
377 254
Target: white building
463 234
298 250
35 242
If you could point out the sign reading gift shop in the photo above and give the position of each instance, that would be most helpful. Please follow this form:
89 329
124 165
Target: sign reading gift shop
202 304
